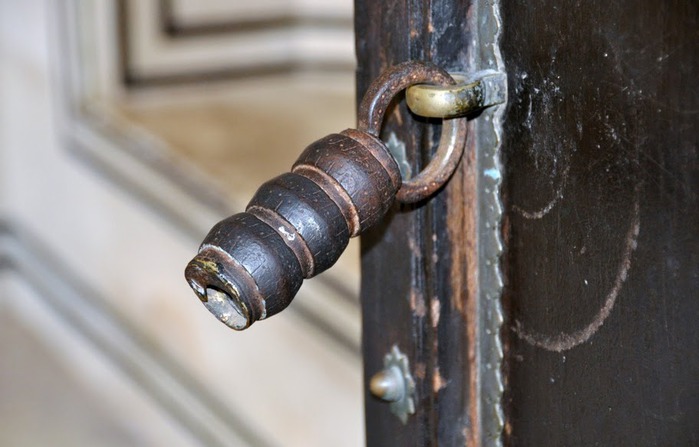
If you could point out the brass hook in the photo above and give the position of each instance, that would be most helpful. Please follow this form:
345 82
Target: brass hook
471 93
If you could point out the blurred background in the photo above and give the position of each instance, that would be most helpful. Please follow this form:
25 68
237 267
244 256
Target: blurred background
127 129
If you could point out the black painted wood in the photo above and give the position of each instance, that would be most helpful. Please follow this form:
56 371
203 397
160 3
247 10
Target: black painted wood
411 295
600 149
601 228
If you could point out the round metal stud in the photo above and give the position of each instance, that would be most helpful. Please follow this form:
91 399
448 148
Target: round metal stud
395 385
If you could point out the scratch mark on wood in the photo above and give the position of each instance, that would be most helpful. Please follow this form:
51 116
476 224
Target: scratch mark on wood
549 206
566 341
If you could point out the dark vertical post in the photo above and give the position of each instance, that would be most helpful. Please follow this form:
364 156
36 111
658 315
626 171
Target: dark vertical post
420 268
601 138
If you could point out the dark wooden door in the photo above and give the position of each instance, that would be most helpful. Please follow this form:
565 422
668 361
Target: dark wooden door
549 294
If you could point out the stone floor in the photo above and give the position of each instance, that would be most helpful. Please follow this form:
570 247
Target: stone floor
42 403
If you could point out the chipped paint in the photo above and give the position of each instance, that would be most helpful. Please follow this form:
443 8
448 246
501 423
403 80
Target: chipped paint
434 315
438 382
417 303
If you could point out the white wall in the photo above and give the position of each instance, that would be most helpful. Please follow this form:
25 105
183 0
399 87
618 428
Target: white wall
123 261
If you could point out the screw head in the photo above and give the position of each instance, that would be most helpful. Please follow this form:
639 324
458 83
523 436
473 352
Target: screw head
388 384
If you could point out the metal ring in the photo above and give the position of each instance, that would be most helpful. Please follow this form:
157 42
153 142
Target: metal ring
451 144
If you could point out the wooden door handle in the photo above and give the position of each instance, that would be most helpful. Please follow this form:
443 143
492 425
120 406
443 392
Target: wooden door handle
251 265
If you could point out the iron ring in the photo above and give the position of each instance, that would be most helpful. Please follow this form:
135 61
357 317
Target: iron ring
451 144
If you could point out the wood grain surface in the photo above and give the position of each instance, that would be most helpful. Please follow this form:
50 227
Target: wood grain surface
414 288
602 226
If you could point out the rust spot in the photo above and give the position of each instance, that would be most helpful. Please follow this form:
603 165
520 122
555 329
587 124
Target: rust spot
438 382
420 370
417 303
436 307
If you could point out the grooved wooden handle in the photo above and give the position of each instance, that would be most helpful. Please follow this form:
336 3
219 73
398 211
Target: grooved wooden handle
297 225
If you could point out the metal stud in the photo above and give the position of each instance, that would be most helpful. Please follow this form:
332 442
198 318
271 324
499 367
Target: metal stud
395 385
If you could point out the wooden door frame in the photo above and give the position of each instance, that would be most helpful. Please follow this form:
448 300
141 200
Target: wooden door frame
598 210
438 300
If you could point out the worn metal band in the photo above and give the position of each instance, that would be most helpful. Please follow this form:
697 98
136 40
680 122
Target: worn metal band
451 146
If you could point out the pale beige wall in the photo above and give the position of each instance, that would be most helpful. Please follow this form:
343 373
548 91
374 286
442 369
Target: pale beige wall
280 380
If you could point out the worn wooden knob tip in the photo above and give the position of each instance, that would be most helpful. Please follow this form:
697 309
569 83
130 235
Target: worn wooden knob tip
250 266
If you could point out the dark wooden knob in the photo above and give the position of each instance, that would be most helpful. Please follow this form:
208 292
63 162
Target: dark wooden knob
297 225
